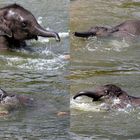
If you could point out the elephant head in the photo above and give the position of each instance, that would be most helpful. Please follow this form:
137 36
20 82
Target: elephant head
9 101
108 93
17 23
94 31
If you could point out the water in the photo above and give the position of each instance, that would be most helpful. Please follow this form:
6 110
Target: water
103 61
41 74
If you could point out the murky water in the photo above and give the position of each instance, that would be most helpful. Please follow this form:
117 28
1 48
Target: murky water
102 61
40 73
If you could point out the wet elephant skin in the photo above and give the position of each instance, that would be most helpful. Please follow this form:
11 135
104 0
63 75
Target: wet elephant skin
17 25
10 101
111 92
130 28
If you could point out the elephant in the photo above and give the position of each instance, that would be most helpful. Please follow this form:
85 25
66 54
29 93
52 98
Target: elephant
108 93
10 101
127 29
17 25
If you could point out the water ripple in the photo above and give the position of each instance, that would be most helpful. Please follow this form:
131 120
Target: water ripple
55 62
113 45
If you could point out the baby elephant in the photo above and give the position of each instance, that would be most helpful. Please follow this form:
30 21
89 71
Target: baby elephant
130 28
109 93
9 102
17 25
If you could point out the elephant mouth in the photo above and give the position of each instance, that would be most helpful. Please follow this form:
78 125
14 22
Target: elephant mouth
30 37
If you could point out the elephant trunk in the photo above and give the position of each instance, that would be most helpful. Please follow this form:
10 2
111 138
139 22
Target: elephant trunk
39 31
90 94
84 34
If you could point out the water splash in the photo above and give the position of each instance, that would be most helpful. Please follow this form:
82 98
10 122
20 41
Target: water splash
39 20
111 45
85 105
118 46
52 62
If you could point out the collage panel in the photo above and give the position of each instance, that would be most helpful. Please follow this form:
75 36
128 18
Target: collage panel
105 69
69 69
34 59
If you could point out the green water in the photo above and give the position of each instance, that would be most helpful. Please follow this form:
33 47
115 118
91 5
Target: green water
41 74
102 61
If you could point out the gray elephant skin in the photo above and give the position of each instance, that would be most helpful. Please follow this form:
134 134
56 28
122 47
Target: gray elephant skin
12 101
108 93
127 29
17 25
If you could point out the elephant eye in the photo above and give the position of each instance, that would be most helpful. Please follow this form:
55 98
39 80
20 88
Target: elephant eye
24 24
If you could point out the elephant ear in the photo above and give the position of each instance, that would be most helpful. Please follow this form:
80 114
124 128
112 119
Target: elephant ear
5 31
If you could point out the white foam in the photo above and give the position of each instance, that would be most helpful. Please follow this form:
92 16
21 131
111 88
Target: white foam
39 20
112 45
127 109
52 63
43 39
127 106
63 34
116 101
84 106
118 45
